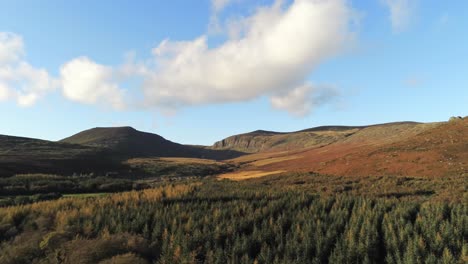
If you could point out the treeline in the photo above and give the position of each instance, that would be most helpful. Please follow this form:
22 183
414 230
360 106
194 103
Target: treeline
224 222
31 184
26 199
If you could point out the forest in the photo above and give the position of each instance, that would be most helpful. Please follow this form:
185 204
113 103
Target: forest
260 221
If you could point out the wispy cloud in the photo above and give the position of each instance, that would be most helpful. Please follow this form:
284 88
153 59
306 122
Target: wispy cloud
413 81
219 5
301 100
401 13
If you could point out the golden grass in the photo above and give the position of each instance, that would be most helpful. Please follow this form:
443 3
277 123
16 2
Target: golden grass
261 156
244 175
273 160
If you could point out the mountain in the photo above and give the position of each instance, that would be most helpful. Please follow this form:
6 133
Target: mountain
405 148
260 140
130 143
440 150
97 150
402 148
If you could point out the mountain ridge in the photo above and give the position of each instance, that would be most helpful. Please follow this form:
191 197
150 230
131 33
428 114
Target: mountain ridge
132 143
261 140
326 149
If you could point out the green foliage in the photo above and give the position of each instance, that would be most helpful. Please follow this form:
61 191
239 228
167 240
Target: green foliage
38 185
167 169
230 222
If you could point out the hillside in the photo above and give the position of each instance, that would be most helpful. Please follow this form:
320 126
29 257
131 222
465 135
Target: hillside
432 149
130 143
27 155
261 141
402 148
98 150
439 151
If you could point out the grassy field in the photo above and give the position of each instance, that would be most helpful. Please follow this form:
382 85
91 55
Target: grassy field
244 175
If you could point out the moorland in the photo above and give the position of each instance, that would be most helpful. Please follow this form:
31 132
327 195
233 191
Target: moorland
386 193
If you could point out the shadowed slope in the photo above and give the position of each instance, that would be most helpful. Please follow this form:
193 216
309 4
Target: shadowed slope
129 142
27 155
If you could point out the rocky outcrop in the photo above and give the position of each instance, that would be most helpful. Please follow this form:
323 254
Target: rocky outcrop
268 141
244 143
456 118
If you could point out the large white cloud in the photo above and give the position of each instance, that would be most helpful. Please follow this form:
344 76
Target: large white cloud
87 82
18 79
273 52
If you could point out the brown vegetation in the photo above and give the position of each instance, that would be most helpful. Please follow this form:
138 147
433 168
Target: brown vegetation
437 149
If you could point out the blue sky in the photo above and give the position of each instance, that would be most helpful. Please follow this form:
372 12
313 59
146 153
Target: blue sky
73 65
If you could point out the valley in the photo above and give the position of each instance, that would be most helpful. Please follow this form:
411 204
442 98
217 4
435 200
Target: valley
386 193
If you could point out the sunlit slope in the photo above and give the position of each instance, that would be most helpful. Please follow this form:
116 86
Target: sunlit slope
432 149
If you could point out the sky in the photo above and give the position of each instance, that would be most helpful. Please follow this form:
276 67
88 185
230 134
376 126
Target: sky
196 72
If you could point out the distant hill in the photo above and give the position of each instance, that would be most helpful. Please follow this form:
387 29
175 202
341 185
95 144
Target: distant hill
97 150
131 143
27 155
440 150
260 140
404 148
401 148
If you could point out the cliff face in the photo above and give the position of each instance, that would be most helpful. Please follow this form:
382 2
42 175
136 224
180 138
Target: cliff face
258 142
244 143
261 141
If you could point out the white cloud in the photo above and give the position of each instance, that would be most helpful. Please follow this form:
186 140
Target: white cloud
269 54
400 13
87 82
219 5
18 79
11 47
4 92
297 102
302 99
273 53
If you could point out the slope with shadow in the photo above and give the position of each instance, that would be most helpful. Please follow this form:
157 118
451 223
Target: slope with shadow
130 143
268 141
261 141
409 149
19 155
